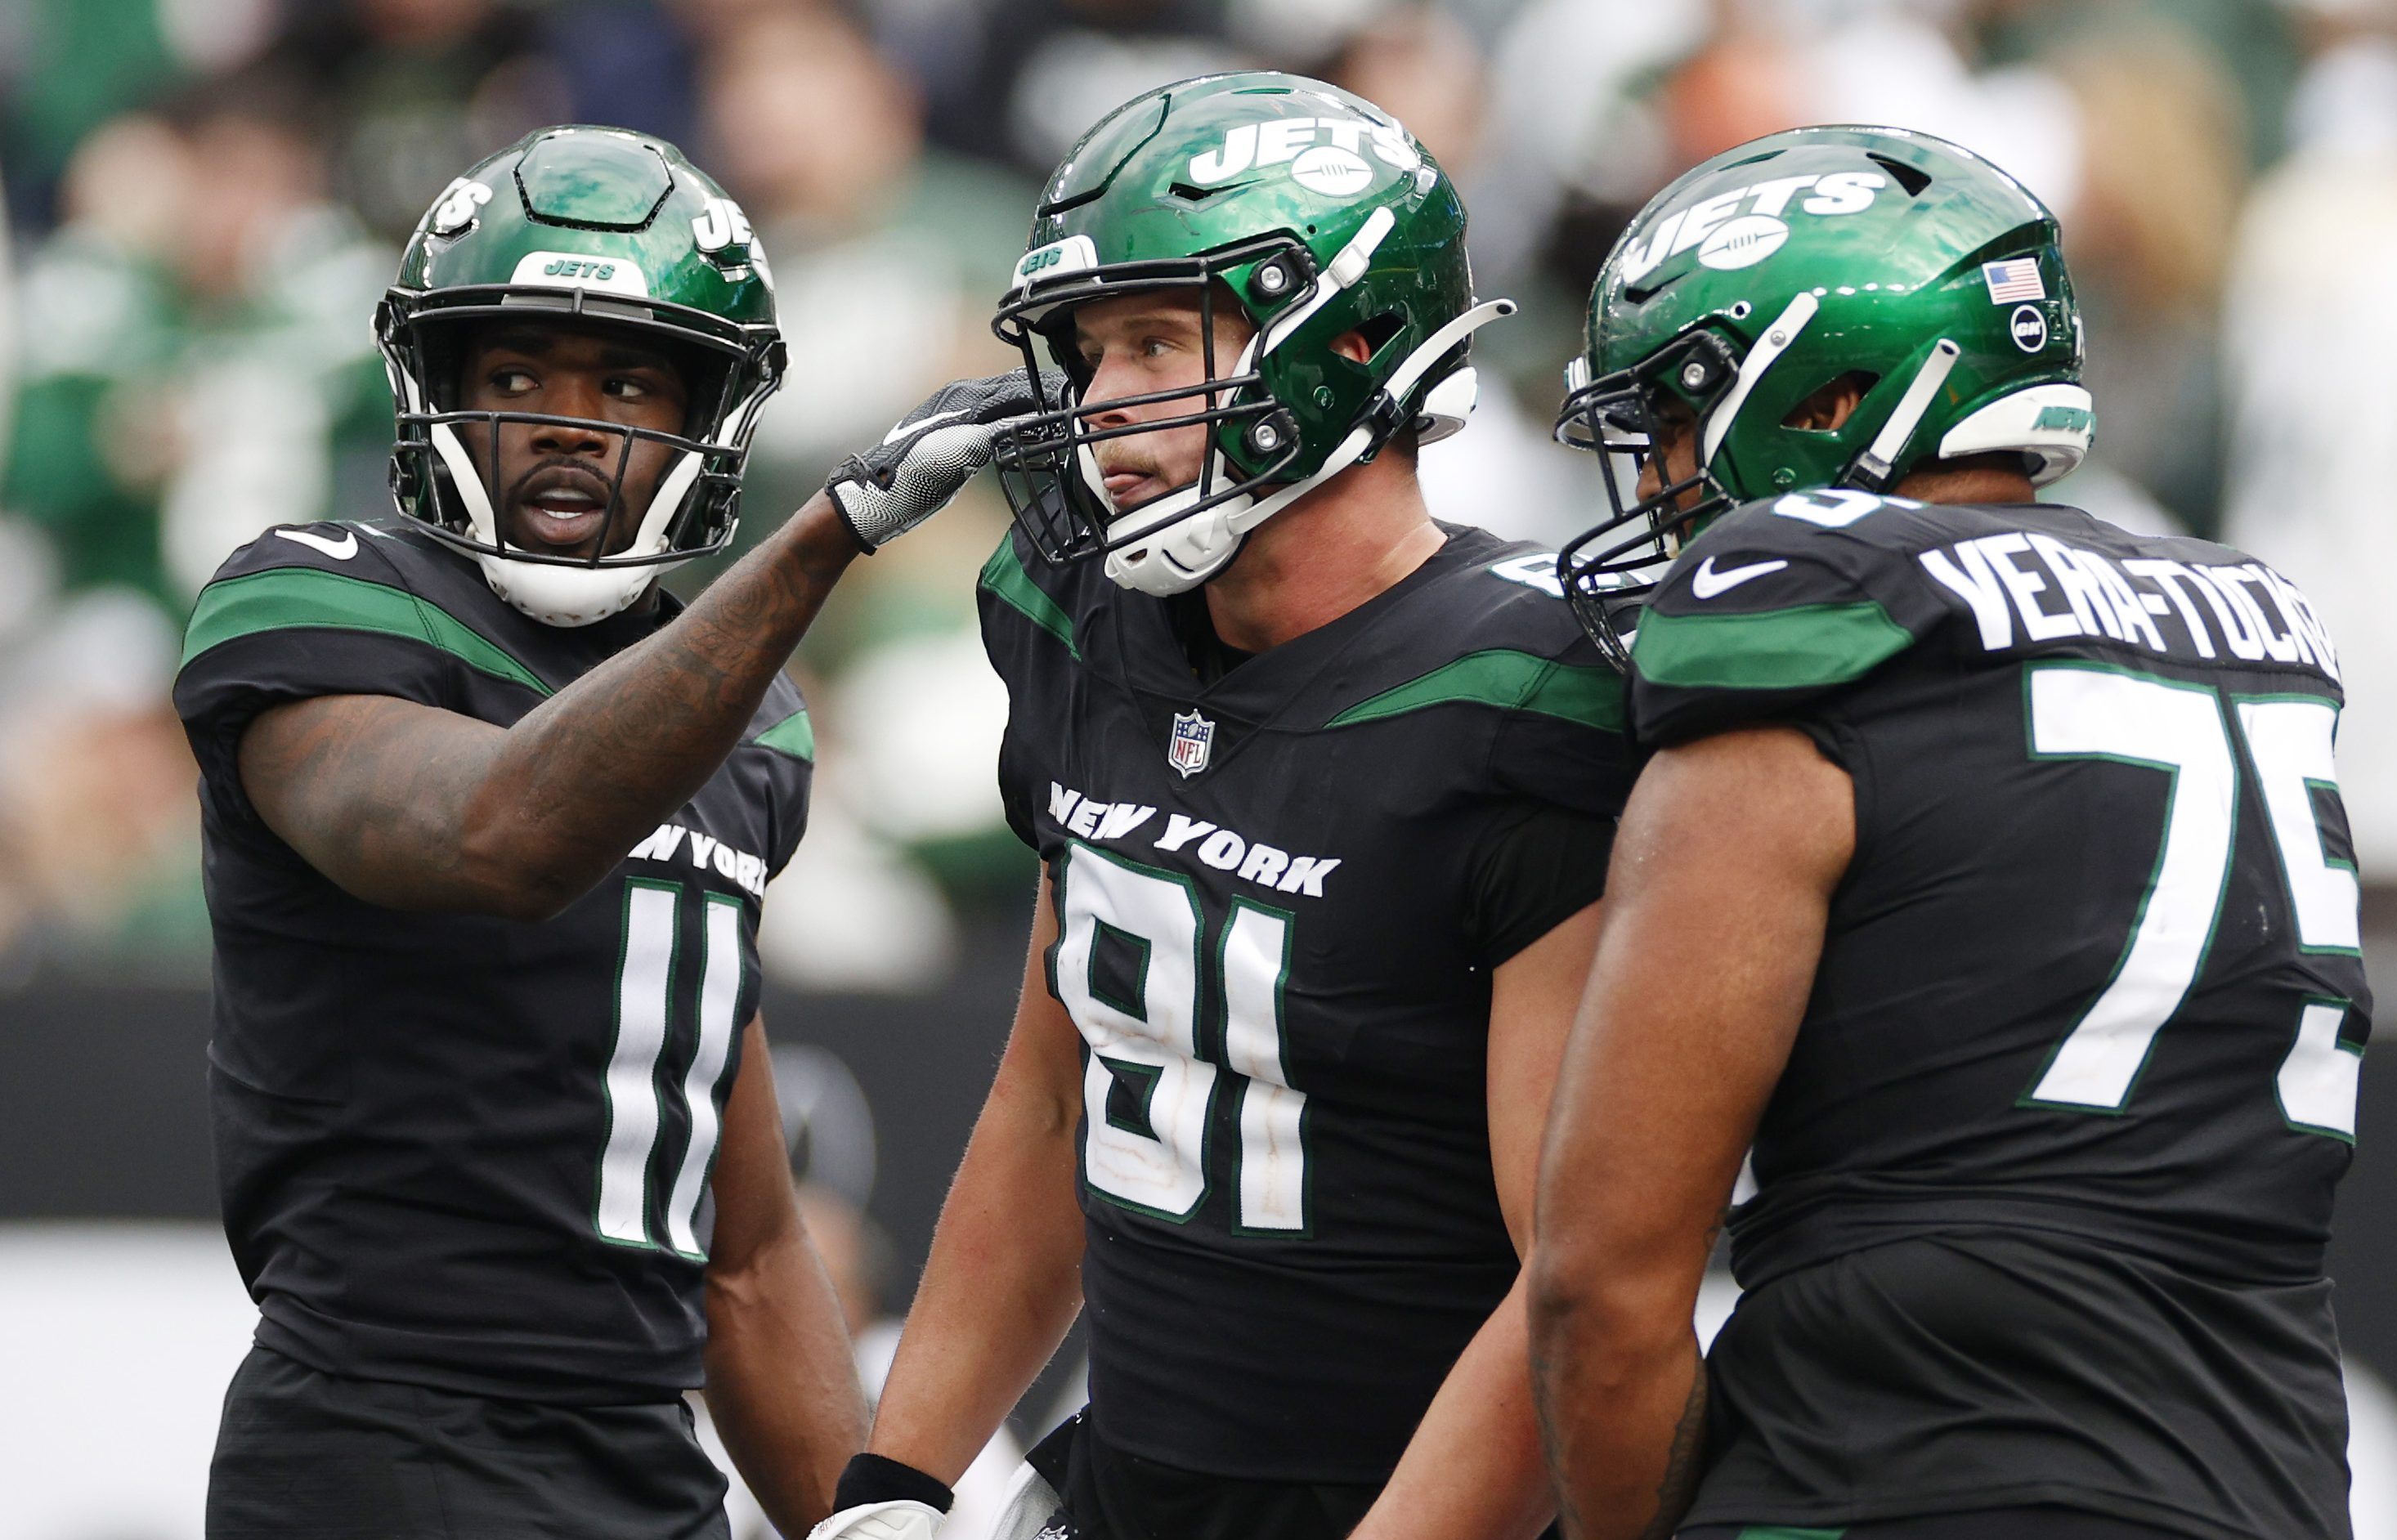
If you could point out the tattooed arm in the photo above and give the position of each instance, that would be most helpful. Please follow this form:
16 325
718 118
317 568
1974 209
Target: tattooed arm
416 808
1714 907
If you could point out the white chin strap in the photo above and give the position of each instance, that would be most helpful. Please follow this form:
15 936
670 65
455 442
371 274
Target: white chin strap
551 593
1180 553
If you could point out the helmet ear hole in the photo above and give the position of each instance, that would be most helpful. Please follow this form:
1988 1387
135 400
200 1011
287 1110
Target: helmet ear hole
1827 408
1379 332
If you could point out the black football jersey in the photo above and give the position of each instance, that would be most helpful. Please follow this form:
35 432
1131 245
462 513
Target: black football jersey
1280 896
455 1150
2044 1190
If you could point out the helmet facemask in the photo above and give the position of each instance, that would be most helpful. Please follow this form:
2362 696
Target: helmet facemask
1315 214
1622 417
1047 464
1259 460
693 510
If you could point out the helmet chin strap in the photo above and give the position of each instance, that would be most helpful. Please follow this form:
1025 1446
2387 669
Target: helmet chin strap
467 480
565 595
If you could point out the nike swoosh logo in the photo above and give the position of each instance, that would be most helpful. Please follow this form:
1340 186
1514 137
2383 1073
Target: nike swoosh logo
340 550
1705 582
907 430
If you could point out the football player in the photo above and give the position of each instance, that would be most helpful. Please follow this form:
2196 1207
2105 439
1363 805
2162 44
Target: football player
1323 791
1989 879
487 817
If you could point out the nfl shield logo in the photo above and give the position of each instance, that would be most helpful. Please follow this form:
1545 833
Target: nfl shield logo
1193 736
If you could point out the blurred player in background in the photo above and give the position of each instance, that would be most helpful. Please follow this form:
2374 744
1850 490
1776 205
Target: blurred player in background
1990 877
1323 792
488 820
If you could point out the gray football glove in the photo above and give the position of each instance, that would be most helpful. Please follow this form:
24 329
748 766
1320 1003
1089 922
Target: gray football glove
935 449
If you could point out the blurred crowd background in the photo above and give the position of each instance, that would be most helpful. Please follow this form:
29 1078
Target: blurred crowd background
203 200
206 197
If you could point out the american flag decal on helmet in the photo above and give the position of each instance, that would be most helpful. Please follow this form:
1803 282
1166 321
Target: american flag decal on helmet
2012 282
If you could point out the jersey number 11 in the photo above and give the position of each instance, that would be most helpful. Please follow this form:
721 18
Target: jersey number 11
636 1101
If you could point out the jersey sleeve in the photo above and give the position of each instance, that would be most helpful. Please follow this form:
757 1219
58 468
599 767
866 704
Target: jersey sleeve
1540 865
789 738
1563 765
1776 609
287 619
1029 633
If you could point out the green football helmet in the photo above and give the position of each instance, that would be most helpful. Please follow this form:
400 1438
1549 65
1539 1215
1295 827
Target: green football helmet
582 224
1318 215
1906 265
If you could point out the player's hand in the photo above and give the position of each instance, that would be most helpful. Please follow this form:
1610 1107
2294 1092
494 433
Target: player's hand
935 449
893 1521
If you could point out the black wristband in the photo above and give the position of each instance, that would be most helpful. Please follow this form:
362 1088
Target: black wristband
872 1479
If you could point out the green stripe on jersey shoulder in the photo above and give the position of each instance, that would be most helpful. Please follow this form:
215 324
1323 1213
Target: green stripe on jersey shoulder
794 735
1004 575
1782 1532
285 597
1508 679
1808 647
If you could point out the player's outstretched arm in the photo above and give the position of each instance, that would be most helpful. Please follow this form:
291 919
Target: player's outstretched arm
1004 1278
1720 884
782 1378
1473 1467
415 807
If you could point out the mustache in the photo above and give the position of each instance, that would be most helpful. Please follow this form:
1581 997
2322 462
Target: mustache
563 475
1124 461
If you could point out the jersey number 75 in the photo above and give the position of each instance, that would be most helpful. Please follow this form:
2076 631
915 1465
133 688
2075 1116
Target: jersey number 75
2080 711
